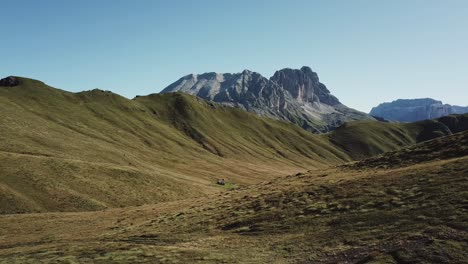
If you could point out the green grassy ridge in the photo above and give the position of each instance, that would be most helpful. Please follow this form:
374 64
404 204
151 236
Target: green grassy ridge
414 213
445 147
363 139
231 130
176 143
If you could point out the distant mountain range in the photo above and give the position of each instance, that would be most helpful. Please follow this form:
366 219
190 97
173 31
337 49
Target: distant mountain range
294 95
410 110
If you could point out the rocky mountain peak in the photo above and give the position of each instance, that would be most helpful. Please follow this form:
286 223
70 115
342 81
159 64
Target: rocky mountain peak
294 95
247 72
304 85
411 110
413 102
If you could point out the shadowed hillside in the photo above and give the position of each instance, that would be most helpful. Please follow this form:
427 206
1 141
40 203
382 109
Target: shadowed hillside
441 148
364 139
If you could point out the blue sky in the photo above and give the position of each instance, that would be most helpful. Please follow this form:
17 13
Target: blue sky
365 51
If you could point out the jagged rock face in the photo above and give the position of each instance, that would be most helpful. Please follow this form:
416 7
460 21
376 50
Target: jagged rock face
304 86
247 89
292 95
411 110
9 81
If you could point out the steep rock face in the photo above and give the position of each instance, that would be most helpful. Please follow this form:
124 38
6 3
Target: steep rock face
410 110
304 86
294 95
247 90
459 109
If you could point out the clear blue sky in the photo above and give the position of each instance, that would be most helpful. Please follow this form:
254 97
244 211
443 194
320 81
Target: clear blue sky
366 52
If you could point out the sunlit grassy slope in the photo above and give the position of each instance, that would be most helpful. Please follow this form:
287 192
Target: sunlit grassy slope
393 208
62 151
95 149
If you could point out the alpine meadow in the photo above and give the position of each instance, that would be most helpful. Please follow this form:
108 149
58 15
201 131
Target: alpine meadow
213 141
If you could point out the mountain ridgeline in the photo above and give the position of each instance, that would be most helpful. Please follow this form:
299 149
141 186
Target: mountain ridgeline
293 95
411 110
63 151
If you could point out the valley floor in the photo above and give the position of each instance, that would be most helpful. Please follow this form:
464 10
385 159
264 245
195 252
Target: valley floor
348 214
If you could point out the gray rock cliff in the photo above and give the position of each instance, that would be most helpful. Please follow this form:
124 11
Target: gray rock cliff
411 110
293 95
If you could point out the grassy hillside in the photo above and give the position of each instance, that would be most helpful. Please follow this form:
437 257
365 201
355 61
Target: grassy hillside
411 213
62 151
445 147
363 139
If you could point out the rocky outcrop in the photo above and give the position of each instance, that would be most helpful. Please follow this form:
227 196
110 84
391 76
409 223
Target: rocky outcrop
304 86
9 81
294 95
410 110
